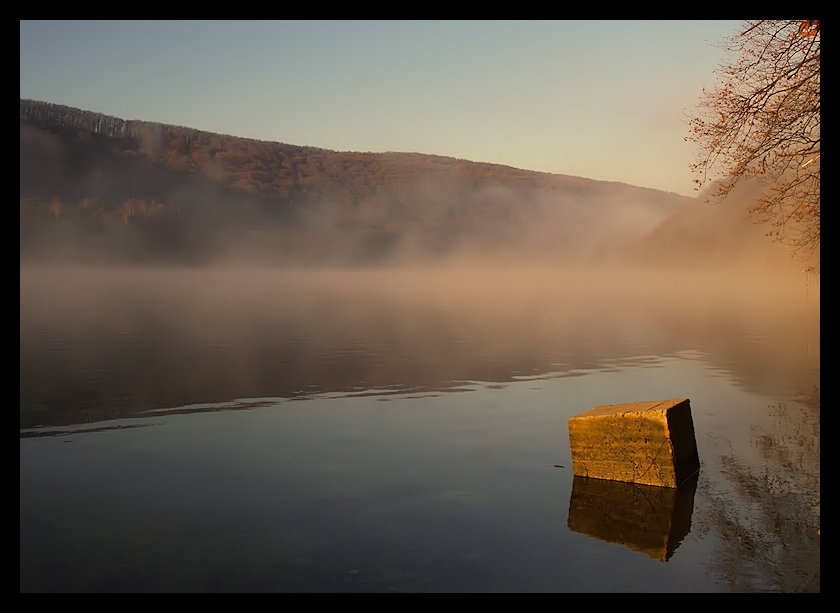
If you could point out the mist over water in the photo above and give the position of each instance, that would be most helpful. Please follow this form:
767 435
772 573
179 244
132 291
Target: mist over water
221 333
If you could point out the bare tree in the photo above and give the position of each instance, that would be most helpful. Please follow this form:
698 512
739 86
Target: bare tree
762 120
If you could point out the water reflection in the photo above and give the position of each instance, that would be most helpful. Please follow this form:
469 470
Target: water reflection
764 504
646 518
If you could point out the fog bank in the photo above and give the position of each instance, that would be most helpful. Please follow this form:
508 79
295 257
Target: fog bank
94 337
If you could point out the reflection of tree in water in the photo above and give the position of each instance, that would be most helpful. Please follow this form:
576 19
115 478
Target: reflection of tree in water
767 514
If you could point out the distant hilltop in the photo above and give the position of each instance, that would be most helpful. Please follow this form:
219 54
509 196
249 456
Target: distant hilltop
136 191
68 117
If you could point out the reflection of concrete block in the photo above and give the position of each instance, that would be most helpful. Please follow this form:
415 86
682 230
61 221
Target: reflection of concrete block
646 518
642 442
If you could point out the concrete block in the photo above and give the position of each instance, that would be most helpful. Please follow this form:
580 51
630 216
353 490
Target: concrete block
643 442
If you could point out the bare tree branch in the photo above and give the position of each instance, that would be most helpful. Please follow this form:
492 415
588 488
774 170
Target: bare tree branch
762 120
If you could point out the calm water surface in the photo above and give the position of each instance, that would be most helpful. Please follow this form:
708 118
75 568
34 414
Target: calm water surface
404 431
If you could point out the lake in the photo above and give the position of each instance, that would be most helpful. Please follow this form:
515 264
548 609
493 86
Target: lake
405 430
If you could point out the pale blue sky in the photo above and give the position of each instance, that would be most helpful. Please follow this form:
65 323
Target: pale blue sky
600 99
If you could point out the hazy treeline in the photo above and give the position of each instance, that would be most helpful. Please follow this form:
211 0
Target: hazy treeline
100 188
88 182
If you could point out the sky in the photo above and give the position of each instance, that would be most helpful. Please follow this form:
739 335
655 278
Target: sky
606 100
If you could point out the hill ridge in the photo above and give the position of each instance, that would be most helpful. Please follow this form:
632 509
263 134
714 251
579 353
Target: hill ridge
69 117
131 174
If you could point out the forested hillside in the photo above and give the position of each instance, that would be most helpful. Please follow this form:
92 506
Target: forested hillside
97 187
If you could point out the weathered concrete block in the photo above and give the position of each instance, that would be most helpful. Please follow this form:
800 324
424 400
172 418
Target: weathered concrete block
643 442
